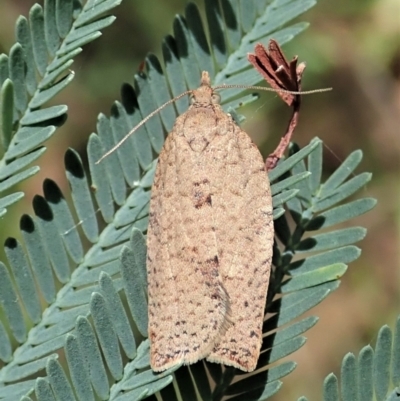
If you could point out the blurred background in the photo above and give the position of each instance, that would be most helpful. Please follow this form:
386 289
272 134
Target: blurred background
353 47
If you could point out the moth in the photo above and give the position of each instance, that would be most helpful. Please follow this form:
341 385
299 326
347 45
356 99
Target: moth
210 234
209 241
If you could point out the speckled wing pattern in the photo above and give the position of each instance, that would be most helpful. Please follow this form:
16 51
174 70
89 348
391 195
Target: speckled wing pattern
209 241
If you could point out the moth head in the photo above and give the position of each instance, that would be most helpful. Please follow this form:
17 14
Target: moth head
196 97
205 95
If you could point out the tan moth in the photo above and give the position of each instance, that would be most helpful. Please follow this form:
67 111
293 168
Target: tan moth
210 238
209 241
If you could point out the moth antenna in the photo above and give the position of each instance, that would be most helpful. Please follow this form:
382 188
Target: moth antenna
135 128
263 88
222 86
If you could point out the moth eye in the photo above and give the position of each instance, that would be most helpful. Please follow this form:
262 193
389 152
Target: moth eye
215 98
192 100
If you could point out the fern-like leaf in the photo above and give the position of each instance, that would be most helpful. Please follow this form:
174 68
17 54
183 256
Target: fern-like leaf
36 69
86 317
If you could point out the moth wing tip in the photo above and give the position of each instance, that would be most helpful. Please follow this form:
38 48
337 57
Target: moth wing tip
164 363
158 366
245 366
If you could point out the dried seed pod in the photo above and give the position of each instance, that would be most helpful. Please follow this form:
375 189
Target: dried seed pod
271 63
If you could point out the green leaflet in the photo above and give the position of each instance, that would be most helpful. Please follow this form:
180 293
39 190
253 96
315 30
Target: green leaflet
36 71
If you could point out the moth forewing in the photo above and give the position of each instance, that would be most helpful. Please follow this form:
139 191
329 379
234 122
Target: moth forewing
209 241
